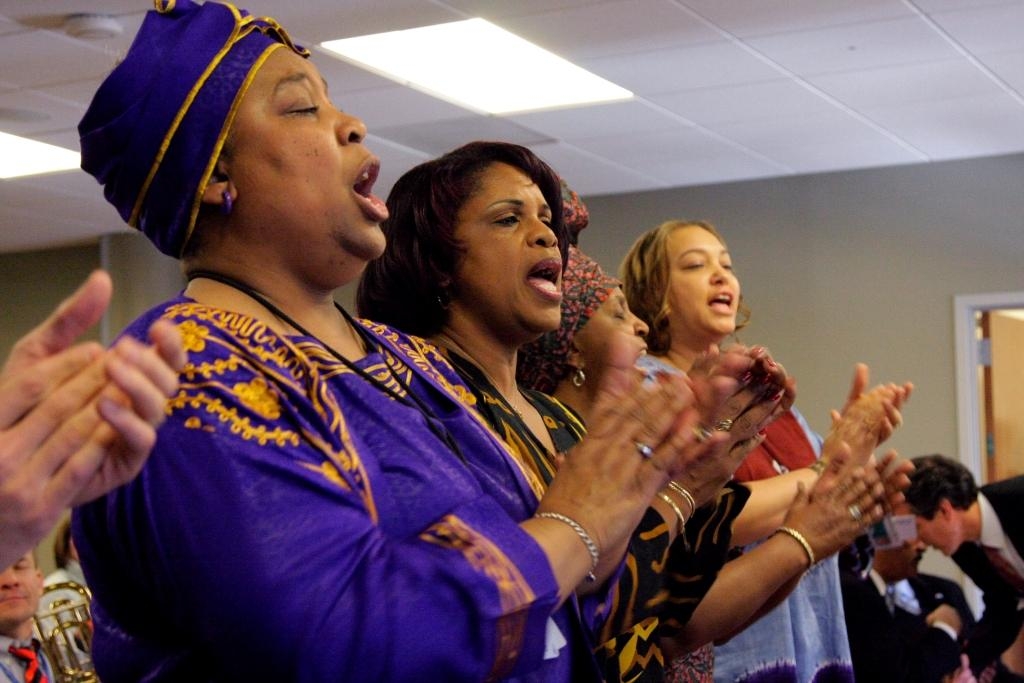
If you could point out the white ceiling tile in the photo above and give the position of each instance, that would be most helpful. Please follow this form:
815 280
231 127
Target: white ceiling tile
504 8
396 106
29 59
1009 67
8 25
946 5
52 113
948 79
841 155
68 216
684 68
618 118
589 174
697 167
965 127
820 142
649 152
767 17
608 28
314 22
42 12
751 102
72 93
984 30
856 46
444 136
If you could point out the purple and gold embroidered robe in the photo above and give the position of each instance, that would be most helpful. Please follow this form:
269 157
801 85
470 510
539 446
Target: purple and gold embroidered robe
297 523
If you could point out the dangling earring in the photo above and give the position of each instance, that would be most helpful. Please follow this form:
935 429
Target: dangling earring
578 378
225 207
443 299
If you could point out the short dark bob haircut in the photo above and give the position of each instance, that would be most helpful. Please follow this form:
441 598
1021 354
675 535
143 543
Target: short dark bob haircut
410 285
936 477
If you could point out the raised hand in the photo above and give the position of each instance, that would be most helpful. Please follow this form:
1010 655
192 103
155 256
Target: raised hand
738 391
75 420
840 506
868 418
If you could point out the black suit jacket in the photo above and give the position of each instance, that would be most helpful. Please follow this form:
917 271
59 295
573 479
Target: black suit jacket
893 648
1001 620
932 591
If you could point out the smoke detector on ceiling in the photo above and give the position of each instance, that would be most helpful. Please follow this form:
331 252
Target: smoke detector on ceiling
92 26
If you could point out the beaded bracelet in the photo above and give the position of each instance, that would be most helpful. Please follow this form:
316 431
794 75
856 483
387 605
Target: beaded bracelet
595 553
675 508
687 496
799 537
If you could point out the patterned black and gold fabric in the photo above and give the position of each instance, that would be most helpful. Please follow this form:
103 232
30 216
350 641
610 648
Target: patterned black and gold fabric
627 645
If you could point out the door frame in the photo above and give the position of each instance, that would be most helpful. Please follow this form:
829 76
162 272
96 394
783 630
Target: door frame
965 309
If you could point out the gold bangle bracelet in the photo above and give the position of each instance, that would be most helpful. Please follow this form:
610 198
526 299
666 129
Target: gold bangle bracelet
675 508
687 496
799 537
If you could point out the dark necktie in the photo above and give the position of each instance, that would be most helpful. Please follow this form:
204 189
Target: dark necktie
30 659
890 598
1004 568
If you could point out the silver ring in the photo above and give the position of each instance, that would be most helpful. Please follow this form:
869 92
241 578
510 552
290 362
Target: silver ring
855 512
723 425
702 433
643 449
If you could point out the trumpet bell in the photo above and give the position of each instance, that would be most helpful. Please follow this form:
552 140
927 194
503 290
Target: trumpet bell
63 625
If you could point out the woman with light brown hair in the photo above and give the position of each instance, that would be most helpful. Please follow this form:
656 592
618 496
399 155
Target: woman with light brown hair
679 278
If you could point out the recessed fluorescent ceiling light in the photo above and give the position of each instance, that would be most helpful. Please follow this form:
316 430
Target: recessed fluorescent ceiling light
478 65
21 156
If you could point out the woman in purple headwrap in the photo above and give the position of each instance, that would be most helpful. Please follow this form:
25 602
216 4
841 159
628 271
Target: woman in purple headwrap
322 504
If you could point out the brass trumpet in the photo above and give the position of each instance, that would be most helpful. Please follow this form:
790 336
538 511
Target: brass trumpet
64 627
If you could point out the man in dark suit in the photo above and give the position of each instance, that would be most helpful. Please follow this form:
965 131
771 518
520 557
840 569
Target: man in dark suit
983 531
903 627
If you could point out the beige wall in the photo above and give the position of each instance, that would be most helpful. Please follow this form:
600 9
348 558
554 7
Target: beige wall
36 281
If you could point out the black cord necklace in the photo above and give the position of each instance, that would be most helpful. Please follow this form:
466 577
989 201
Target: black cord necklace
476 376
407 398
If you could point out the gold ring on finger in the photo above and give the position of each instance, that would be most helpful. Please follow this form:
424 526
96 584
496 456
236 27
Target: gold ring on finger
855 512
643 449
724 425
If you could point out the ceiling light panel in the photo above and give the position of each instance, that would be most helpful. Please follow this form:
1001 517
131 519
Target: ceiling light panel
477 65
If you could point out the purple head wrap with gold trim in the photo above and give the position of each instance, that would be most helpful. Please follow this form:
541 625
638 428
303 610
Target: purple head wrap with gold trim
544 363
156 126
